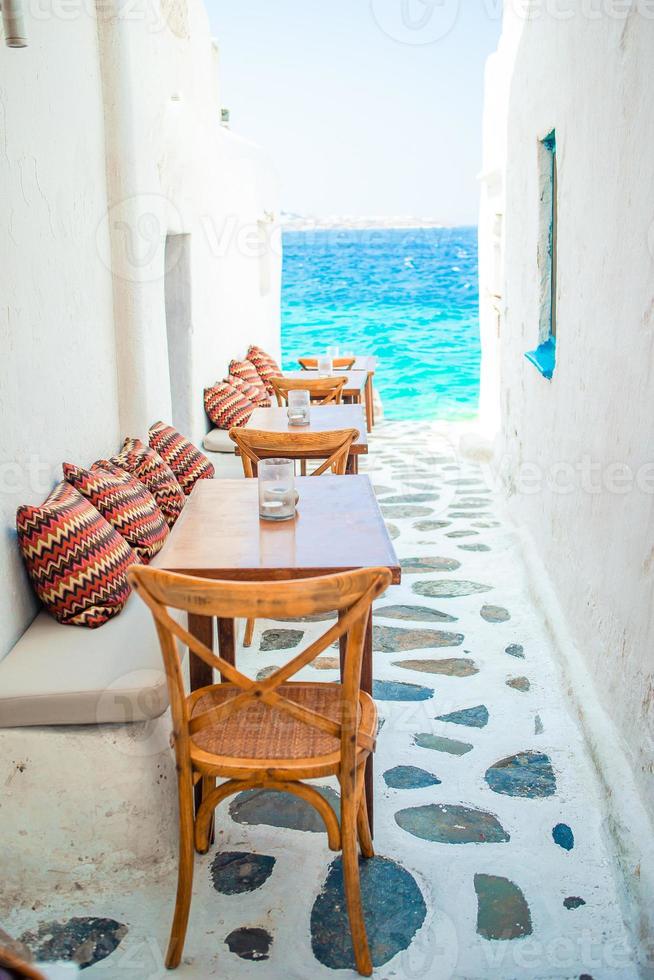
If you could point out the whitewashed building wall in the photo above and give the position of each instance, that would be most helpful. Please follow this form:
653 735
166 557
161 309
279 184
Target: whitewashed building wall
110 141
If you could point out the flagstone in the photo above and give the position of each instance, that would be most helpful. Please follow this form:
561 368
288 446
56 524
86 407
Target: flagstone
280 639
250 943
452 667
502 910
515 650
235 872
448 588
393 908
399 691
266 806
563 836
427 564
437 743
84 940
393 639
472 717
495 614
430 525
527 774
407 510
414 613
519 684
409 777
443 823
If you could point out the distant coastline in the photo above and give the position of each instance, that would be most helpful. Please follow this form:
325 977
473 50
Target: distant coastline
296 222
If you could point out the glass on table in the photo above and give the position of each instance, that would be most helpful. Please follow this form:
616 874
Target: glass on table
277 496
298 408
332 352
325 365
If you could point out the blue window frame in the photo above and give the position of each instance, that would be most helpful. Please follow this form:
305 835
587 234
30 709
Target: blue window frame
544 356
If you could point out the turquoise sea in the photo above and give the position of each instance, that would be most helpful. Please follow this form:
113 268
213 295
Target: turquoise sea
409 296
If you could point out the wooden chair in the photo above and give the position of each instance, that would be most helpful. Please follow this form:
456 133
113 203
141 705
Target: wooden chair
16 967
331 447
322 391
339 363
274 733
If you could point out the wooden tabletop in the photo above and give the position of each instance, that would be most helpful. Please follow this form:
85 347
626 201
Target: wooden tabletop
354 384
324 418
338 527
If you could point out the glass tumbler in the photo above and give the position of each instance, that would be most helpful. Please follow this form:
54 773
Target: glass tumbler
299 408
276 489
325 365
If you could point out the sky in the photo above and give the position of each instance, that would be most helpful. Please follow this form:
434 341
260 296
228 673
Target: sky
366 107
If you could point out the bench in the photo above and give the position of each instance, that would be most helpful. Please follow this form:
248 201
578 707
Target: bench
89 784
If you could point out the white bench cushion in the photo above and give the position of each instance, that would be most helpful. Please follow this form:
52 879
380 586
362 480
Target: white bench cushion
218 441
68 675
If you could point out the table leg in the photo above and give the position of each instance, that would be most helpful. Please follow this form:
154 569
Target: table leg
352 464
366 685
201 675
370 407
227 640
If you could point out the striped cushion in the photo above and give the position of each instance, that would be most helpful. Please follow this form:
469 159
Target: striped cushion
77 561
246 371
255 393
187 463
266 366
148 467
125 502
227 407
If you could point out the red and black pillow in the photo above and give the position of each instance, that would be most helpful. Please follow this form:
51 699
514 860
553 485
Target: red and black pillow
148 467
255 393
246 371
125 502
76 560
227 407
265 366
186 461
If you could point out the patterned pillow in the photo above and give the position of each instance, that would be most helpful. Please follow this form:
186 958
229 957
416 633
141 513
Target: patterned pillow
255 393
227 407
77 561
266 366
125 502
148 467
187 463
246 371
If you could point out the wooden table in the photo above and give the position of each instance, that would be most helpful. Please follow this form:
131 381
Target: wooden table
355 382
324 418
362 365
219 535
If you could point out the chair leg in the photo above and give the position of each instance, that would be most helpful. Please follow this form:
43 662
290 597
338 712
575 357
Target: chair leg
353 885
202 845
184 873
363 828
249 632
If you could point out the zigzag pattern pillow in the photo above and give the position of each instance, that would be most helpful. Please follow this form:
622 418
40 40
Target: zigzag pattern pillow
186 461
148 467
246 371
227 407
255 393
76 560
125 502
265 365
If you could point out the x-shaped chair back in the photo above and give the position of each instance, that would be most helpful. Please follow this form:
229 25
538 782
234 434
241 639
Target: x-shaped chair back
322 391
331 447
339 363
350 594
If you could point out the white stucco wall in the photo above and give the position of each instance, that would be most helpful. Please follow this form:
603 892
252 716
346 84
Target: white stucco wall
110 140
575 454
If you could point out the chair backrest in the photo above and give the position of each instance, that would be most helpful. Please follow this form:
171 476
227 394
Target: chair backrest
340 363
350 594
322 391
332 447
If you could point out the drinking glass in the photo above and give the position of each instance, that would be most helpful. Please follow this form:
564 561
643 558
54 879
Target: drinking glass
276 489
332 352
298 409
325 365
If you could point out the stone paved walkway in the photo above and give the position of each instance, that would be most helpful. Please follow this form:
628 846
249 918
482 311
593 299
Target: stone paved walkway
493 861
